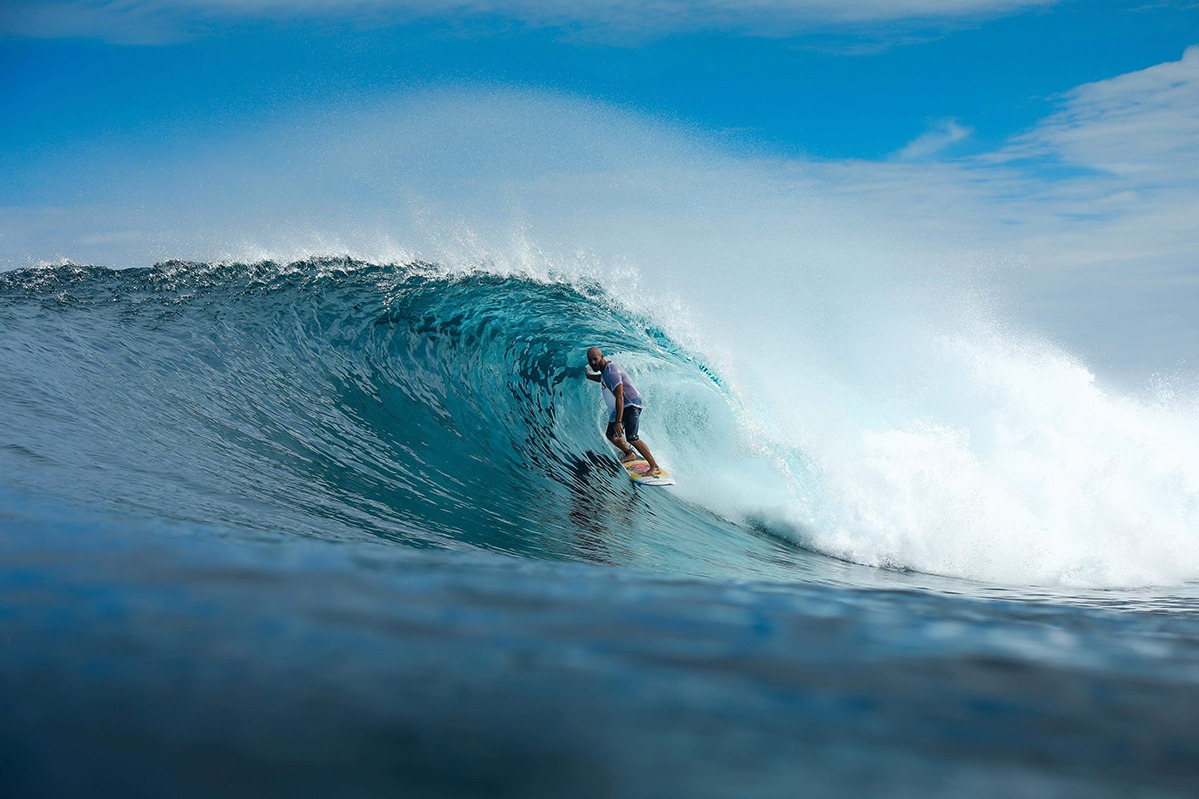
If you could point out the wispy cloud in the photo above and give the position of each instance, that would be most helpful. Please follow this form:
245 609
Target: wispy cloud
1141 126
1099 202
160 21
935 141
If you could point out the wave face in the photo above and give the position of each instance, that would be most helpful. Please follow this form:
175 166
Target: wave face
337 399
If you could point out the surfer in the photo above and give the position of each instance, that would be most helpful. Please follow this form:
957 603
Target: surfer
624 408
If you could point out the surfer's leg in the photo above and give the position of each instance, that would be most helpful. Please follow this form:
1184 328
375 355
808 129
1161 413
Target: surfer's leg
626 452
632 421
645 453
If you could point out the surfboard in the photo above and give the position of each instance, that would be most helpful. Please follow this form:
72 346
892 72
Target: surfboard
637 473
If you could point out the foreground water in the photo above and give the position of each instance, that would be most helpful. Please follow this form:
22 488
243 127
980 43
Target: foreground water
340 529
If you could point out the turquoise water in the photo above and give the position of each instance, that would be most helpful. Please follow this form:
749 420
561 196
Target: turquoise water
335 528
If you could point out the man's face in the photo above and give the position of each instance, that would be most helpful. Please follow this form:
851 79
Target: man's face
595 359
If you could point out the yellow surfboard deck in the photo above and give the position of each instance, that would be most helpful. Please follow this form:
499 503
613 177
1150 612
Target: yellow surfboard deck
638 469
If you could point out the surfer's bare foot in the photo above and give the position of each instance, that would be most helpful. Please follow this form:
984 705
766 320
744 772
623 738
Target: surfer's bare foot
654 472
628 457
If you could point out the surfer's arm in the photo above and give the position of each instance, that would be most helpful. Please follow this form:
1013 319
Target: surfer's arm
618 392
592 375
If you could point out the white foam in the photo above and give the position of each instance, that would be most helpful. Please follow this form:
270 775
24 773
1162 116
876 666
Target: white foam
1020 469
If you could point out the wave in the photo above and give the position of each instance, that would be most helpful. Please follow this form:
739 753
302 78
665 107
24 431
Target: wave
433 407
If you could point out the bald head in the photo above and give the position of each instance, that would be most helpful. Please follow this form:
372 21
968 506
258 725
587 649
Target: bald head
595 359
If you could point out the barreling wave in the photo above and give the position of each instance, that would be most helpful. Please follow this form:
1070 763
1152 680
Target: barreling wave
337 399
431 407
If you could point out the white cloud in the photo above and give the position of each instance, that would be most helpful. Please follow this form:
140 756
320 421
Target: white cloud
152 21
1099 202
1143 126
942 136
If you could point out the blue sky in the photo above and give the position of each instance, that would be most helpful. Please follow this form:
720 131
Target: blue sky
831 89
1055 142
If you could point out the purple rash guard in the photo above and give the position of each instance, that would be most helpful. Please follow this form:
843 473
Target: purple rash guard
612 377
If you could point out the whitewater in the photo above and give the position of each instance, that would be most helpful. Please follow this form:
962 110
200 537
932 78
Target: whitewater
352 527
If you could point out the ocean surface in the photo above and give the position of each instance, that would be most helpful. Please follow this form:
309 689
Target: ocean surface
333 528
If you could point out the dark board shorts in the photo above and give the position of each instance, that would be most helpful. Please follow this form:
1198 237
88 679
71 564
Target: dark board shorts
631 420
